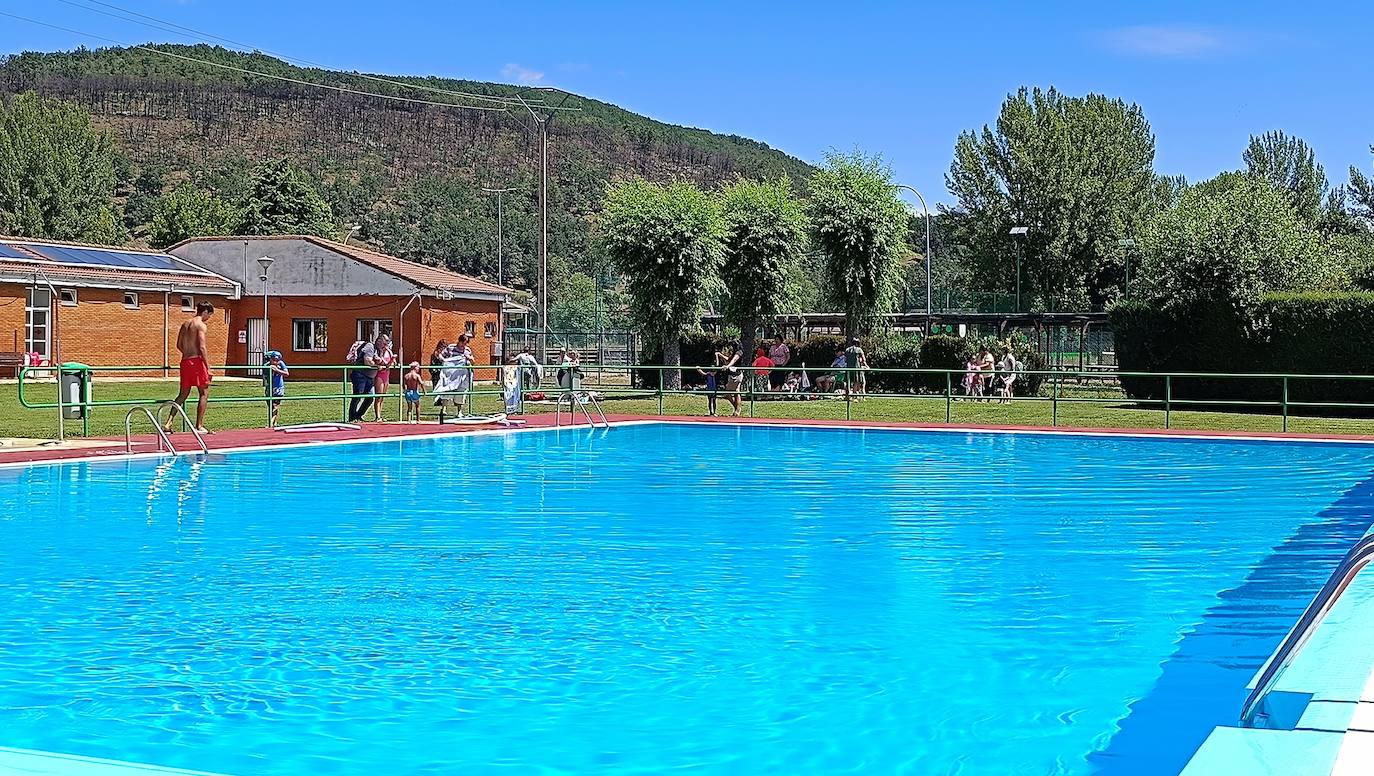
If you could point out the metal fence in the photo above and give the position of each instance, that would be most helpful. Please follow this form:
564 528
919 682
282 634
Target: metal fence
1274 403
611 348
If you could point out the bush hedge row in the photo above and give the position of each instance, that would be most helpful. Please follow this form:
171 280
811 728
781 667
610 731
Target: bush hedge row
1320 333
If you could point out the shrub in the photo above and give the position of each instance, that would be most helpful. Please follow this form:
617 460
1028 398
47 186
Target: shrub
894 351
943 351
1290 333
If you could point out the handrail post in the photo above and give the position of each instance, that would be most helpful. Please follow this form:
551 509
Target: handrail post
661 375
1168 397
753 391
346 387
1285 404
848 394
949 394
1054 401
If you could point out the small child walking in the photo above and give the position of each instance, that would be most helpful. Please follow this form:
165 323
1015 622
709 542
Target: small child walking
414 384
278 373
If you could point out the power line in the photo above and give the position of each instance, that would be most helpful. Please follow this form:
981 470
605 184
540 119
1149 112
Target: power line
246 71
172 27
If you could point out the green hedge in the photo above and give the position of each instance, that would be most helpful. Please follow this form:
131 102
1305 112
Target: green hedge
1287 333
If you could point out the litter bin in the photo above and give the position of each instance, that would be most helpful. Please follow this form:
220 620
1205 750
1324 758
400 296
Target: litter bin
75 384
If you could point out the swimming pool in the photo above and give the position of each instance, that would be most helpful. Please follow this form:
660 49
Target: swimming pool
707 597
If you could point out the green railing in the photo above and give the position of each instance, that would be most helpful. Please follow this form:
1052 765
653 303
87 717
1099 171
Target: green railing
1057 389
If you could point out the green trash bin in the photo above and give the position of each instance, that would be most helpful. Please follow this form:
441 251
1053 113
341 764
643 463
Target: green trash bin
74 382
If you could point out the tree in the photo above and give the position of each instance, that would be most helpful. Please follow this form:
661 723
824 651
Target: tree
573 304
282 200
1288 164
765 232
186 211
1078 171
667 242
57 173
859 224
1226 242
1360 193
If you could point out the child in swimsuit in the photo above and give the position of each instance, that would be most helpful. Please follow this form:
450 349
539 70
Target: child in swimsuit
414 385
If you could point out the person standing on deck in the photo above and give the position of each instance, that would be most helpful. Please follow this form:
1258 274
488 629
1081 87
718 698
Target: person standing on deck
779 354
363 378
195 369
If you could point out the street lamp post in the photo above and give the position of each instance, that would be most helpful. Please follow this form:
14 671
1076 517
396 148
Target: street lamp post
1019 232
265 262
500 248
1126 245
352 230
928 252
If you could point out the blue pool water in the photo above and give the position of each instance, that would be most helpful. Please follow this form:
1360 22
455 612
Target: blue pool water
705 598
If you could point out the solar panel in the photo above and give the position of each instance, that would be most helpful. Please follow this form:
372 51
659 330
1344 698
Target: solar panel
106 258
11 252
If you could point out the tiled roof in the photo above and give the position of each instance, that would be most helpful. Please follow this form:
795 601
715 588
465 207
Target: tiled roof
422 275
79 274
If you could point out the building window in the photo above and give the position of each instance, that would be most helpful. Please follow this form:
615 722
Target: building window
471 328
188 303
371 328
37 311
489 329
131 300
309 334
67 296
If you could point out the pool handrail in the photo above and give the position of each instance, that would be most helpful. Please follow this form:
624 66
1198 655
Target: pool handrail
1359 556
174 408
162 439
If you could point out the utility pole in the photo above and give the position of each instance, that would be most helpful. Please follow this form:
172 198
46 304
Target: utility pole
541 119
1019 234
500 247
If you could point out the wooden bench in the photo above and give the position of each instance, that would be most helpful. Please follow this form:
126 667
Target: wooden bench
12 363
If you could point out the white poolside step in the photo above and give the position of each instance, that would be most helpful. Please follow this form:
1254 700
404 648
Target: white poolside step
1257 752
27 762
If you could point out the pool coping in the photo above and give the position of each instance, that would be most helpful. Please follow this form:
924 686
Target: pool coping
239 440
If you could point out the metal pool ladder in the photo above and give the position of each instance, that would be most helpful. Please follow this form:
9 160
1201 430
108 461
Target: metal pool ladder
574 402
1350 566
155 417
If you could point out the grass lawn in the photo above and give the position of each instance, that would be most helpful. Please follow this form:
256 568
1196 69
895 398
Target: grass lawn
248 411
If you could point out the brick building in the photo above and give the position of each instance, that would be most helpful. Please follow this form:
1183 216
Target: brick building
106 306
323 295
122 307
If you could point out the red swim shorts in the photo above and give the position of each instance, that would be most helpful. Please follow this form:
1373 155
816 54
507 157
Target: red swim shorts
195 373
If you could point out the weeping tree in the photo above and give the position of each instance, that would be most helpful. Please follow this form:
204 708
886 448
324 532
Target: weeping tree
858 223
667 242
765 233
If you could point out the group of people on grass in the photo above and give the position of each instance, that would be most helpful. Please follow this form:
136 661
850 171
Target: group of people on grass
986 376
768 373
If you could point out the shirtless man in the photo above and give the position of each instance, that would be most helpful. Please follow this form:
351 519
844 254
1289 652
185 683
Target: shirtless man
195 369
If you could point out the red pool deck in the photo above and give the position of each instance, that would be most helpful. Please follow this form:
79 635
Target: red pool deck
231 439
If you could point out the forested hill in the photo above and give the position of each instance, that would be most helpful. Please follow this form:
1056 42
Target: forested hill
409 173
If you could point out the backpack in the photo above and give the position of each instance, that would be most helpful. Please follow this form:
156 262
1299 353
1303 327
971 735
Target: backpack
355 352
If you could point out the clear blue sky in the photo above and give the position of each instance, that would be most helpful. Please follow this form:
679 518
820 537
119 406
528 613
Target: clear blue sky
899 79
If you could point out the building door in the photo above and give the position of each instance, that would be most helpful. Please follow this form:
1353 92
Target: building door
38 322
257 346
